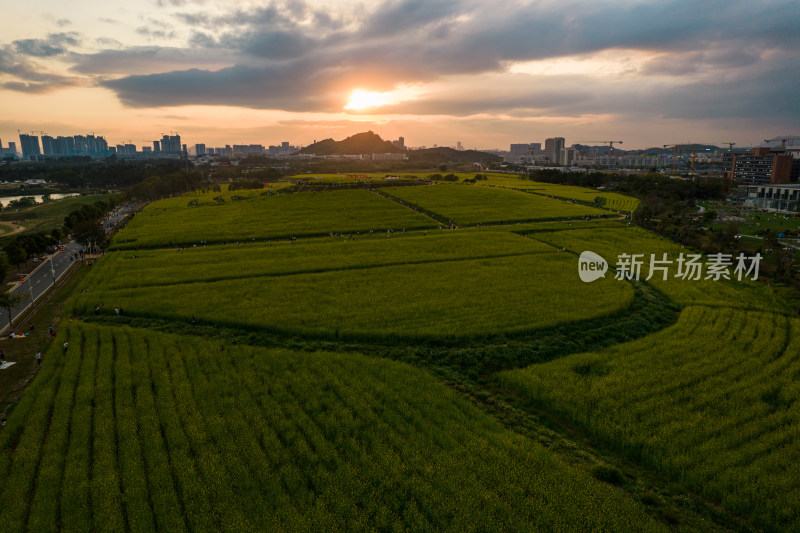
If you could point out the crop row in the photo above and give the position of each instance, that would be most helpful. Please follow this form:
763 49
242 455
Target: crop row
713 401
144 432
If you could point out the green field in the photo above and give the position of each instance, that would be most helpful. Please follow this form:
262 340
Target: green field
609 200
429 300
609 242
467 204
134 269
174 222
420 379
712 401
129 430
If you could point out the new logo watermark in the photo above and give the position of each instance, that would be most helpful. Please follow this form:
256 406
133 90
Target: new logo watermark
592 266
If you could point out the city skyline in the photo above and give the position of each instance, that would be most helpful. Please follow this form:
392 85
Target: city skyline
435 72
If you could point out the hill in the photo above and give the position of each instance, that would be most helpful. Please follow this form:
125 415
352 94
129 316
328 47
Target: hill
360 143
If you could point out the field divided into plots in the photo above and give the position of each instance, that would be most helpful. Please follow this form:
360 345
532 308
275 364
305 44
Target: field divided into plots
135 431
610 242
468 204
141 268
713 401
601 198
175 222
444 299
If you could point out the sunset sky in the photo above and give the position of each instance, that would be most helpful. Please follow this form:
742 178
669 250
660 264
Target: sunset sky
485 73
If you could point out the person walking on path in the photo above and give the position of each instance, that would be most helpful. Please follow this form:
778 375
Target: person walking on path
38 358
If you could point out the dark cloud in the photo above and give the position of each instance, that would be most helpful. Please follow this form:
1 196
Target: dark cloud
63 22
147 59
28 76
55 44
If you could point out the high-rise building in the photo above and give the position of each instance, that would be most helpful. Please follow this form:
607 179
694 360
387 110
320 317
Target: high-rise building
30 146
199 150
518 150
553 149
763 166
48 146
568 156
171 144
156 147
101 145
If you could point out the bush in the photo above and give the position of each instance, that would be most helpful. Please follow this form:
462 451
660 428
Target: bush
609 474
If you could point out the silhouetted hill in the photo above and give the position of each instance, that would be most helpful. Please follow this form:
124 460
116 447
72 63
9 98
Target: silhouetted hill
360 143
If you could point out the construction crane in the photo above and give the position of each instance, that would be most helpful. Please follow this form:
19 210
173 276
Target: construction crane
609 143
730 145
610 148
782 140
675 148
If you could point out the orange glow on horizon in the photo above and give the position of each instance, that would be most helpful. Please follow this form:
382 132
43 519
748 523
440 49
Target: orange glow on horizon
360 99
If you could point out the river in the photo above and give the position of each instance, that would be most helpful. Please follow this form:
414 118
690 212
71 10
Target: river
5 200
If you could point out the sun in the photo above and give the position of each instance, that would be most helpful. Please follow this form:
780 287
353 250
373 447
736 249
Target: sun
360 99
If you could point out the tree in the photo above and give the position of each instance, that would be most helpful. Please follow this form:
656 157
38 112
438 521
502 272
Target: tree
89 233
3 267
9 301
16 254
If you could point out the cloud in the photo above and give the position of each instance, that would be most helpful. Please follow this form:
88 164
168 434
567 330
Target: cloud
54 44
155 34
148 59
730 57
63 22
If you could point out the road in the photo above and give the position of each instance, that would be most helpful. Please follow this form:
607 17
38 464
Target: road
53 267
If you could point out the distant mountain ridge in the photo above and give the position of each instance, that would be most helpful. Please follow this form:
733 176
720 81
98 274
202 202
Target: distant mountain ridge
360 143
